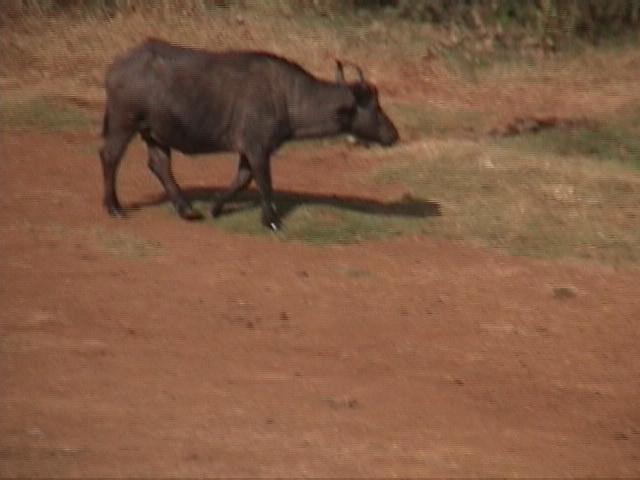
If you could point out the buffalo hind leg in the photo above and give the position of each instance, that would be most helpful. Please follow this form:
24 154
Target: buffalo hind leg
240 182
111 155
160 165
261 168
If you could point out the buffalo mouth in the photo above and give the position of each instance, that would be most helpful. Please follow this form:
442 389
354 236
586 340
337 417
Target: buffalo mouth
358 141
390 141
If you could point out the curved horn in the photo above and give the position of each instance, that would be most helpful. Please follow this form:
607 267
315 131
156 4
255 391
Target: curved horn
339 72
358 70
360 75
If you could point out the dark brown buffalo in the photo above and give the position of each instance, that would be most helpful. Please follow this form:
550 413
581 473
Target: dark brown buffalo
197 101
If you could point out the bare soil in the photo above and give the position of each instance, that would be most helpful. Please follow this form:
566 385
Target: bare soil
154 347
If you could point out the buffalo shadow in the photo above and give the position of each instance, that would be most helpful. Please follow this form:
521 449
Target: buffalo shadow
287 201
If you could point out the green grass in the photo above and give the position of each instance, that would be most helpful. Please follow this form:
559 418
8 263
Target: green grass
416 121
128 245
42 114
619 143
116 243
545 205
323 224
556 194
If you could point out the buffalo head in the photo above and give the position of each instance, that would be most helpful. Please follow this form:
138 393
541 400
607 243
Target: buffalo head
367 121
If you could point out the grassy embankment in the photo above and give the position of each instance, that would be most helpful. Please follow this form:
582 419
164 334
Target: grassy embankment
567 192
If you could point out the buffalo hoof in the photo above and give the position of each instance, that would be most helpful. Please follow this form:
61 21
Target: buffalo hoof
272 224
189 213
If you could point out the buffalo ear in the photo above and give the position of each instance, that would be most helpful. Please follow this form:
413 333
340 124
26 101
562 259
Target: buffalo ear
340 73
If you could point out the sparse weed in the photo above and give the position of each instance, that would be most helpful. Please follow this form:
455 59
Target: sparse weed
128 245
607 143
545 206
117 243
319 224
42 114
416 121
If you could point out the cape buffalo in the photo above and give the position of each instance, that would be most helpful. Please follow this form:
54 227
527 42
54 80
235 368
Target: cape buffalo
197 101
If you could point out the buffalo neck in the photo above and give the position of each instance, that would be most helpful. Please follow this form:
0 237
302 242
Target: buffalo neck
314 107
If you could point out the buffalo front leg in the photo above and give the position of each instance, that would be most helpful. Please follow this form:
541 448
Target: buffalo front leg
240 182
110 156
261 168
160 165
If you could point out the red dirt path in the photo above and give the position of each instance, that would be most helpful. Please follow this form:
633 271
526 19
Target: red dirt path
215 354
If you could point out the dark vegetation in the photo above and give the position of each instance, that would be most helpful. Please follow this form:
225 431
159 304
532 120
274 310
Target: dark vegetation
545 23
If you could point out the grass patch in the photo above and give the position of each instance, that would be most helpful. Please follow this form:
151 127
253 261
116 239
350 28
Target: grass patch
416 121
42 114
327 223
472 62
543 206
606 143
556 194
616 138
116 243
128 245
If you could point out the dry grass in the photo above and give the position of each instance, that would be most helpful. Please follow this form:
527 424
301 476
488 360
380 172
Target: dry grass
71 54
540 195
113 242
68 55
543 204
42 113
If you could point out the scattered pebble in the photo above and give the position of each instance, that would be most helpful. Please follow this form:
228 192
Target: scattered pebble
564 292
342 403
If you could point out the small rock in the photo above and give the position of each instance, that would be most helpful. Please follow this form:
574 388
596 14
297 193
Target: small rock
35 432
485 162
564 292
340 403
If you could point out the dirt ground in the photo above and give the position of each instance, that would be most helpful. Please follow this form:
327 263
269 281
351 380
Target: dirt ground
155 347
